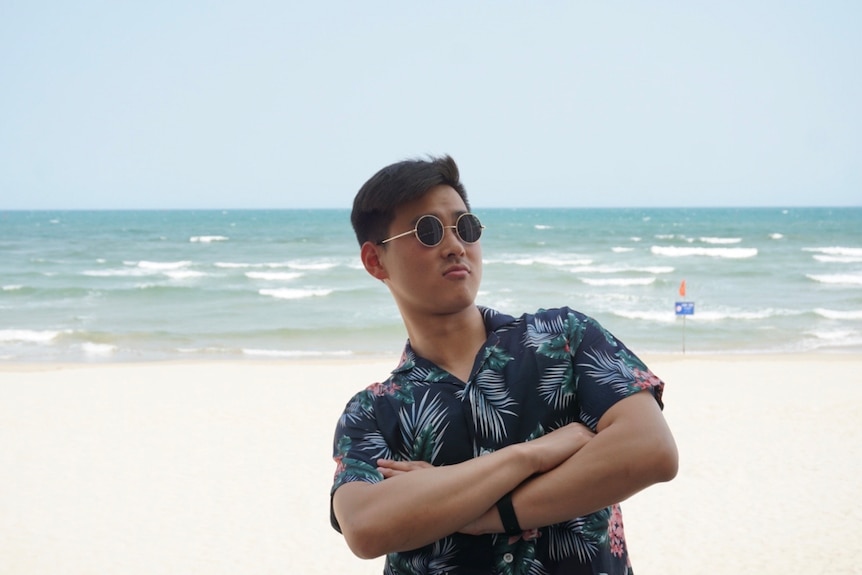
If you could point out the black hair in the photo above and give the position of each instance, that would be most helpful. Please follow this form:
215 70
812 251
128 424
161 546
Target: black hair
375 202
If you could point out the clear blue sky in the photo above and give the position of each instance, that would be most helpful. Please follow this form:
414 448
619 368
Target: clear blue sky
277 104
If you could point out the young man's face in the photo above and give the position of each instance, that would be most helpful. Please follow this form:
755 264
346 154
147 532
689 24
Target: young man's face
438 280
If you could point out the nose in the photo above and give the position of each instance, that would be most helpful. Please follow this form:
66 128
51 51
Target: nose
452 241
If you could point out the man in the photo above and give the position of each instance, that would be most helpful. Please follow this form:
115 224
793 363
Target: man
499 444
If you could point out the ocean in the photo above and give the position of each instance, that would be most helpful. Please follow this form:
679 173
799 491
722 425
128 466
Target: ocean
103 286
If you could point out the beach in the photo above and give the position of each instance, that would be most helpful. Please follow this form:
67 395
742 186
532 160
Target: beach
225 467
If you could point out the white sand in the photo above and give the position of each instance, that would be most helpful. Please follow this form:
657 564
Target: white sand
225 468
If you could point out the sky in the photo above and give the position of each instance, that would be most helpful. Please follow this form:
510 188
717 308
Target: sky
278 104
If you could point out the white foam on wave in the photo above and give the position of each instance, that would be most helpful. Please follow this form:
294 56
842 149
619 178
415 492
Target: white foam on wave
274 276
208 239
92 349
546 261
241 265
776 236
159 266
622 269
837 259
173 270
12 287
121 272
656 316
722 315
27 335
184 274
837 279
704 315
288 293
621 250
836 251
312 266
838 314
715 240
845 336
543 227
618 281
729 253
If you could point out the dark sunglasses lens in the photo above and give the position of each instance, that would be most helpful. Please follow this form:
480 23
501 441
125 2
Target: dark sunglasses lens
469 228
429 231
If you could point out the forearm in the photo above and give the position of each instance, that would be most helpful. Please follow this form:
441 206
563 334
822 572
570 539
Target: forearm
615 465
633 449
417 508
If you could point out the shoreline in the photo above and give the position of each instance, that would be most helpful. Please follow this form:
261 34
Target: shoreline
649 358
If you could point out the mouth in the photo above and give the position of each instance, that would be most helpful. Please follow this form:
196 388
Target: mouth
457 271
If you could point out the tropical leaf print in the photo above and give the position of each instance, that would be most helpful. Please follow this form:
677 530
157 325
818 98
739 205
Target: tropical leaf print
610 370
360 407
540 334
350 469
488 396
496 359
436 558
582 537
557 387
422 429
374 444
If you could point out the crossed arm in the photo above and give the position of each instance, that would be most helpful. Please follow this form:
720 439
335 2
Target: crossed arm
567 473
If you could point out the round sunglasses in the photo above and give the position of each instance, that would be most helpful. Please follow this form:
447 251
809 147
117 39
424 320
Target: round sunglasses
429 230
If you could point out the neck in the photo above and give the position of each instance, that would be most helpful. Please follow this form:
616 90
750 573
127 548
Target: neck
451 341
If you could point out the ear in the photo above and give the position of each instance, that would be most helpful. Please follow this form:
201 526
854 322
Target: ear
370 254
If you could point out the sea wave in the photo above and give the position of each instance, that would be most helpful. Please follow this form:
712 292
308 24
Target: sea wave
287 293
311 266
618 281
243 265
841 338
621 250
208 239
184 274
712 240
623 269
27 335
546 261
174 270
836 251
729 253
838 314
654 316
837 259
92 349
706 315
148 265
274 276
13 287
776 236
836 279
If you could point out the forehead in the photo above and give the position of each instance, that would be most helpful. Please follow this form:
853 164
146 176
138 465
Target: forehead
441 201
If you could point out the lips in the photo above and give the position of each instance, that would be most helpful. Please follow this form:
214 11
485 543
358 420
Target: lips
456 271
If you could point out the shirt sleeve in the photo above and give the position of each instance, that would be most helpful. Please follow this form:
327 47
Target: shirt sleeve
608 371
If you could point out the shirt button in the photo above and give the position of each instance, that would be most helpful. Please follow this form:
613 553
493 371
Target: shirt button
508 557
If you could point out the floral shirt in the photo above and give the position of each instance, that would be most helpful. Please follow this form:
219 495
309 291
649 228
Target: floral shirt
536 373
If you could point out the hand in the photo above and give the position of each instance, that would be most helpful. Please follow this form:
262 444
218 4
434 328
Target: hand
390 468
